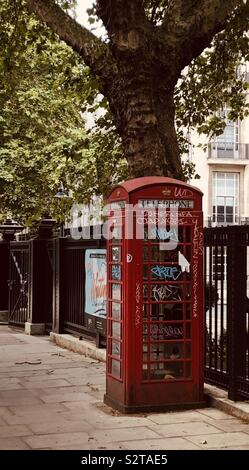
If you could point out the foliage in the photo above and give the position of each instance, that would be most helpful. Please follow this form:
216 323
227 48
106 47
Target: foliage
43 92
215 79
45 88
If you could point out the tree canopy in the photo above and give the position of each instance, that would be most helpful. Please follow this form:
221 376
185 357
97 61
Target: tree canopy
43 93
140 68
164 67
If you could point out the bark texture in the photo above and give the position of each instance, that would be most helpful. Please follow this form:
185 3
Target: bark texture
139 67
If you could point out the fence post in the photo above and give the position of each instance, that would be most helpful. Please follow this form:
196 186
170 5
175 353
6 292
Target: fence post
236 308
58 304
4 276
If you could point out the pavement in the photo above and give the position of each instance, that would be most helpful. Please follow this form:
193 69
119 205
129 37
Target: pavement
52 398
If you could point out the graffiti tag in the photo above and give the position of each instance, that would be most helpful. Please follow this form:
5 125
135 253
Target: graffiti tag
166 272
167 331
166 292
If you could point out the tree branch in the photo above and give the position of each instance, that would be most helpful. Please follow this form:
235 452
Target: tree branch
95 53
193 23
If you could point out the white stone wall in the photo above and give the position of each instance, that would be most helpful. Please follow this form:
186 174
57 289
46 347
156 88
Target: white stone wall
205 167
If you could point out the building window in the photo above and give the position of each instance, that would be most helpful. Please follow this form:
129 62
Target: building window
225 198
228 141
227 144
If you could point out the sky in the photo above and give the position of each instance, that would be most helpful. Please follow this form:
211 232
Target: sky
82 16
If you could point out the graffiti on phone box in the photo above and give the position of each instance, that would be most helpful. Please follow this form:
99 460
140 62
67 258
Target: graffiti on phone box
166 331
166 272
138 308
166 292
159 217
195 267
180 192
161 233
116 272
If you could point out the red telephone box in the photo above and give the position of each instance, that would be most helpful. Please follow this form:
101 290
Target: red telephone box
155 297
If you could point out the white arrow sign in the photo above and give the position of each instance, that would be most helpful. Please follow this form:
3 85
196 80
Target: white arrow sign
183 262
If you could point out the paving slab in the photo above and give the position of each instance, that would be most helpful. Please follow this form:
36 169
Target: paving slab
229 425
51 398
18 430
185 429
67 397
34 418
46 384
124 434
92 380
13 443
102 421
61 390
4 412
214 414
10 384
173 443
23 410
54 440
18 397
236 448
220 440
175 417
65 426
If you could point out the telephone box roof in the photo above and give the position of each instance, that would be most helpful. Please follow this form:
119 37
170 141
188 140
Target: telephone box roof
138 183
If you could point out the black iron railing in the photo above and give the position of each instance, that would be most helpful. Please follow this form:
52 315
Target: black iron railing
228 150
70 289
226 309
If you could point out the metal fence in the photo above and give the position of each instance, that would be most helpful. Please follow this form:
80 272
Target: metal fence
46 284
69 290
57 267
226 309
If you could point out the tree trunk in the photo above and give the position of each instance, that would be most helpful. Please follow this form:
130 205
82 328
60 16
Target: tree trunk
149 136
144 112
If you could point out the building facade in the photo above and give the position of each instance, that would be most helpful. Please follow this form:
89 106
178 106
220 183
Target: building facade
224 174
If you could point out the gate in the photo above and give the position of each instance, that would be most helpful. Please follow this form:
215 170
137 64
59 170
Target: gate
19 271
31 282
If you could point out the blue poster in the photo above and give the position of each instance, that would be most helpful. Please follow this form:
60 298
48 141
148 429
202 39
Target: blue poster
96 282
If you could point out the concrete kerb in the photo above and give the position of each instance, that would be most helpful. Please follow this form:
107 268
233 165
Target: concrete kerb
79 346
4 317
217 398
